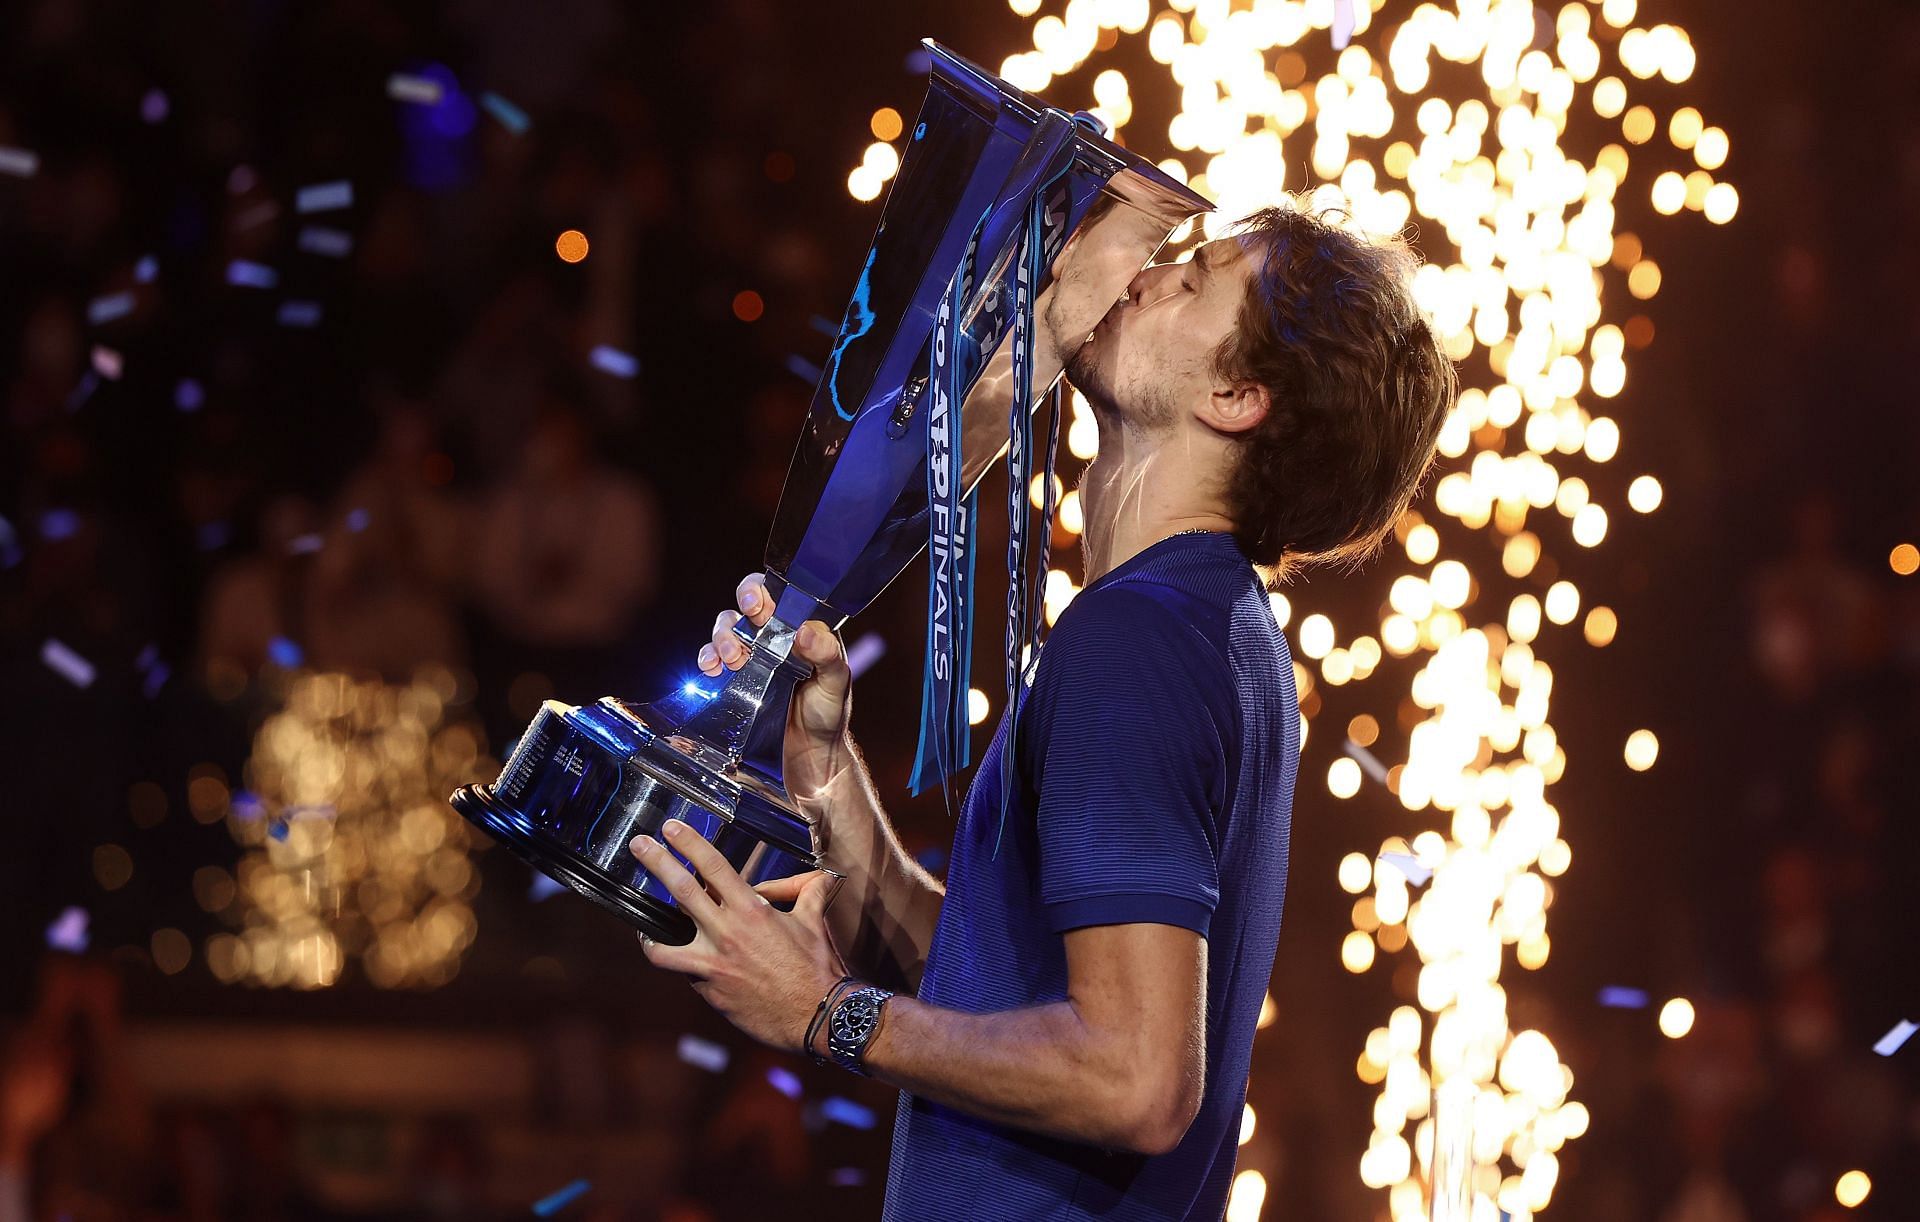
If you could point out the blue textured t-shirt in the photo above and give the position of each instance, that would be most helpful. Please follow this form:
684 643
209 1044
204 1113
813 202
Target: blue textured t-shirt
1158 744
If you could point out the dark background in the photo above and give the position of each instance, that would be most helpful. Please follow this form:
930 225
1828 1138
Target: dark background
1758 869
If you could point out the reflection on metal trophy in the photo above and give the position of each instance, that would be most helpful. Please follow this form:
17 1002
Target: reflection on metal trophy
855 512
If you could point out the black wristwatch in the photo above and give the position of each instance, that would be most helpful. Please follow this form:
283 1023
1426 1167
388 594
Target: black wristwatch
854 1020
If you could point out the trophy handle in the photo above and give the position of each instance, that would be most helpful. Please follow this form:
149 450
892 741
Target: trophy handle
747 718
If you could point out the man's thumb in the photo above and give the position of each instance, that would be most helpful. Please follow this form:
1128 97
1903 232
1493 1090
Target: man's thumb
821 649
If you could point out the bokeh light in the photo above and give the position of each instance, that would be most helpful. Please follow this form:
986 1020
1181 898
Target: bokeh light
571 246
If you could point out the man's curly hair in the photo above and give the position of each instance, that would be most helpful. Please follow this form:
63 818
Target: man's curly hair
1359 384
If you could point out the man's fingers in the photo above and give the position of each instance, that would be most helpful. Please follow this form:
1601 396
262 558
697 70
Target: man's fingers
820 648
782 890
683 959
754 599
681 885
727 646
721 877
816 891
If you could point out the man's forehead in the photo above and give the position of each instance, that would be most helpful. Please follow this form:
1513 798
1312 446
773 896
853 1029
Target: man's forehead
1221 253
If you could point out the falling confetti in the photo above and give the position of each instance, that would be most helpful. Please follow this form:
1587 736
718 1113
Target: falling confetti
319 240
553 1203
1891 1041
611 360
305 545
543 887
9 545
248 274
187 395
784 1080
58 524
864 652
847 1112
802 368
299 313
1368 761
1408 865
510 116
68 931
702 1054
846 1177
106 309
323 197
258 214
1621 998
66 663
18 162
146 270
404 87
154 106
1342 24
285 653
108 363
357 520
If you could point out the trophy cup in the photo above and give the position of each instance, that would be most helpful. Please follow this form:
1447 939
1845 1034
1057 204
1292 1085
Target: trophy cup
986 166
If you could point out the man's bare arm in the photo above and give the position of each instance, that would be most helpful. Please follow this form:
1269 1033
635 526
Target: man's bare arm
1120 1063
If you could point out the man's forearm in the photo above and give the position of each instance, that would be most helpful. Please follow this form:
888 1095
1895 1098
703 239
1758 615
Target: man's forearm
883 918
1040 1069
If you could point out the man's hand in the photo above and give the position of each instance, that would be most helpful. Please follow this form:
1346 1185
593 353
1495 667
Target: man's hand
765 970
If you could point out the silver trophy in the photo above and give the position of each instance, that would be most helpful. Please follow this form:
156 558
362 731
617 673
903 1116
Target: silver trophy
582 782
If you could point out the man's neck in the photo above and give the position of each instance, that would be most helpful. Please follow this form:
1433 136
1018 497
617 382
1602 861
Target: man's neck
1140 490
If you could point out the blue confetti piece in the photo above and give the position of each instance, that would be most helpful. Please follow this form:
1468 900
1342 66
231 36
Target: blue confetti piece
106 309
356 520
63 661
323 197
246 807
285 654
188 396
305 545
320 240
299 313
1619 997
847 1112
1408 865
421 90
68 931
20 163
278 830
543 887
510 116
10 553
784 1080
919 62
248 274
58 524
702 1054
846 1177
156 679
146 270
1368 761
154 107
611 360
553 1203
864 652
825 326
147 657
802 368
932 858
1890 1042
89 381
212 536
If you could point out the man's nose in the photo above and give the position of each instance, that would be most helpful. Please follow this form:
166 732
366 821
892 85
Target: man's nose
1141 289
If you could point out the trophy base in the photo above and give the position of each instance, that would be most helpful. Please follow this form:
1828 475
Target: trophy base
657 920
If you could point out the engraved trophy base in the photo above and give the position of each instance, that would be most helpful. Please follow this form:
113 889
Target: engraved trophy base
583 782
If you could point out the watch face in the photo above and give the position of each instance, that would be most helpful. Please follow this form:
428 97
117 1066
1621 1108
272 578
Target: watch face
855 1019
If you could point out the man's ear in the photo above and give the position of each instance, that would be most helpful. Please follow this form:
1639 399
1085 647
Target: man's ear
1238 407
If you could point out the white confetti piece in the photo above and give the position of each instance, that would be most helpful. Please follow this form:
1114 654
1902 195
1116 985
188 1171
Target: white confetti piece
1408 865
68 931
66 663
324 197
404 87
1368 761
1891 1041
108 363
1342 24
21 163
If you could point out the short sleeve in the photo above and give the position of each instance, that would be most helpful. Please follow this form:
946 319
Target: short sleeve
1130 765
